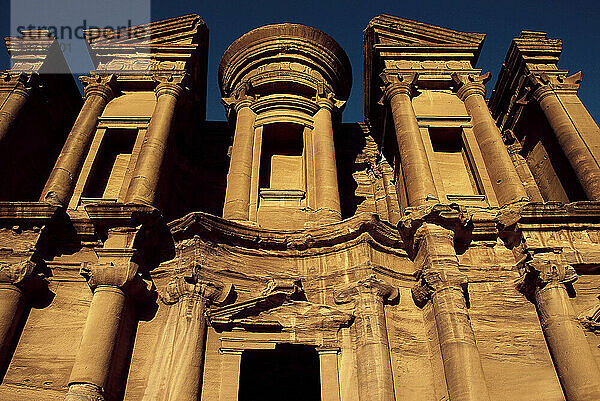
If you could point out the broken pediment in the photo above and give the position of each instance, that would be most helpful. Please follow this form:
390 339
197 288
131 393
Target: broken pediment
387 33
163 46
277 311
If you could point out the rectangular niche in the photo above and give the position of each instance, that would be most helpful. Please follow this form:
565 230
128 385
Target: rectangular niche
109 169
455 167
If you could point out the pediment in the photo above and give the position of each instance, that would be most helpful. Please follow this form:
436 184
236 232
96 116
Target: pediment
166 47
277 312
174 32
396 31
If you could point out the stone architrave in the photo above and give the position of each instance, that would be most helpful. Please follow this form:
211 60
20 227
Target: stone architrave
570 140
176 373
442 283
420 187
99 90
545 283
144 182
237 195
375 379
505 180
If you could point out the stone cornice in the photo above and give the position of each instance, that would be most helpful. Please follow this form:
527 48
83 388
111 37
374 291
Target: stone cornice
228 232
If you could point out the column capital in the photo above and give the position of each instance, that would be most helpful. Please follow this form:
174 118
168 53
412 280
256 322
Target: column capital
99 85
20 83
370 285
182 287
544 84
170 85
430 281
396 84
470 84
540 273
326 99
243 96
16 272
116 273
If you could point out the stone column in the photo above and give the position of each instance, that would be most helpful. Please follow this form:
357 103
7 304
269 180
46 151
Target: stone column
546 284
109 283
375 377
416 170
176 374
146 173
574 147
19 91
514 150
444 285
60 184
237 194
326 190
12 301
504 177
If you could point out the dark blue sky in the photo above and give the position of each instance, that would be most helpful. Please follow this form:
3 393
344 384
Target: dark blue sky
575 22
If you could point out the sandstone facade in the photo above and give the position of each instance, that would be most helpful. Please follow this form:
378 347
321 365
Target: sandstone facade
445 248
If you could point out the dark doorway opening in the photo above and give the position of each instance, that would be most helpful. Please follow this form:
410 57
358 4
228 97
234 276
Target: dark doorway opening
289 372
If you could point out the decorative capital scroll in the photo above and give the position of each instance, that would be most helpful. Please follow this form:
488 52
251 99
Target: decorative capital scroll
544 84
16 272
325 98
470 84
242 97
116 273
20 83
99 85
171 84
369 285
396 84
431 280
180 287
541 272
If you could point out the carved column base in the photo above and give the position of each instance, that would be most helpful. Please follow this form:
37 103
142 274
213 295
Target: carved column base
84 392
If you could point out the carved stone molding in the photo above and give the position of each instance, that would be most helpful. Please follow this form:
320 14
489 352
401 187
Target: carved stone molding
370 285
